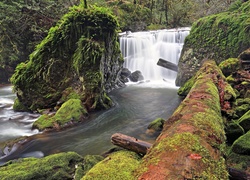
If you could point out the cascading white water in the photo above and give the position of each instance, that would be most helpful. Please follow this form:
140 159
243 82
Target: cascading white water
142 50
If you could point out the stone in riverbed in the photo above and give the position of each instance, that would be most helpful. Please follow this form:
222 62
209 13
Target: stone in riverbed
136 76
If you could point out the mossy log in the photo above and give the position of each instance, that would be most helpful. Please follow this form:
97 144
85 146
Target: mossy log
192 140
130 143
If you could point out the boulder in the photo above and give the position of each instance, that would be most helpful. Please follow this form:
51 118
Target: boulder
136 76
81 52
71 112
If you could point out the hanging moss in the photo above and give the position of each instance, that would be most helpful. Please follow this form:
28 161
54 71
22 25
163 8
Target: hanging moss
72 55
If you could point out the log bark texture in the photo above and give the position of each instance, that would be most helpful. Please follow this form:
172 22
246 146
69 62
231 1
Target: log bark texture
130 143
189 146
167 64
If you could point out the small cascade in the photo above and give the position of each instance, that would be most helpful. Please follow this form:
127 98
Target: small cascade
142 50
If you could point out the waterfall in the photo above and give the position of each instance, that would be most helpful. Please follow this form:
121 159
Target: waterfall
142 50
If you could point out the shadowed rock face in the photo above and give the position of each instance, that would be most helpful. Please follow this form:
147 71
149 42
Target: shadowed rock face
217 37
81 53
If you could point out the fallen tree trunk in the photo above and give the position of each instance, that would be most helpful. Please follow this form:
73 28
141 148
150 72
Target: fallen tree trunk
190 142
130 143
167 64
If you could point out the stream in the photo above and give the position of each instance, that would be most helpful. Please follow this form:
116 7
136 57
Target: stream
135 107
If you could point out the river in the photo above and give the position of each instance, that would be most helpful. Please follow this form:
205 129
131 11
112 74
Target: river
135 107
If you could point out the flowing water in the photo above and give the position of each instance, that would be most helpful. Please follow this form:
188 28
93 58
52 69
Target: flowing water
136 105
142 50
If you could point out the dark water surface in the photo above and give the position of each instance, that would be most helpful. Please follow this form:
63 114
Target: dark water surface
135 107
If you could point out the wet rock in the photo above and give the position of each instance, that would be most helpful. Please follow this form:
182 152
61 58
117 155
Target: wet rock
136 76
124 75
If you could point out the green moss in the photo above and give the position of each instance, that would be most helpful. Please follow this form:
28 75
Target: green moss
18 106
238 161
70 112
119 165
242 144
157 124
58 166
233 131
184 90
81 39
242 109
88 162
230 65
224 33
70 93
244 121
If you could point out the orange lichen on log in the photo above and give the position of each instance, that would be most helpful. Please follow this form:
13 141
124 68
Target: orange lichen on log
191 142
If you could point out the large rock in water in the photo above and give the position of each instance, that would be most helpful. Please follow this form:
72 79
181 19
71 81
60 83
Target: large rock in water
218 37
80 59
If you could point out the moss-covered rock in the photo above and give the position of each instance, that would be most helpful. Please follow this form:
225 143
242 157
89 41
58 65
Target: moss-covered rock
219 36
242 144
88 162
72 111
157 124
238 161
57 166
244 121
119 165
233 131
230 65
242 109
82 52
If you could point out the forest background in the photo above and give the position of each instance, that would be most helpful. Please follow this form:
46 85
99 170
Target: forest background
24 23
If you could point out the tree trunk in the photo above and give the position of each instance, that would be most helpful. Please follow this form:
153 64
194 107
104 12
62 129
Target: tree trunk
167 64
130 143
189 145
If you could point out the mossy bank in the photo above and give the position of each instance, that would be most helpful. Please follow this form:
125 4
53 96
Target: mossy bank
219 37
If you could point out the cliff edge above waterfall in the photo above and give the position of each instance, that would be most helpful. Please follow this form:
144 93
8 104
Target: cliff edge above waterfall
218 37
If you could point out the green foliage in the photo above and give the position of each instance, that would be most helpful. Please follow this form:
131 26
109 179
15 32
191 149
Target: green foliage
23 25
57 166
